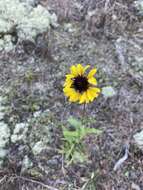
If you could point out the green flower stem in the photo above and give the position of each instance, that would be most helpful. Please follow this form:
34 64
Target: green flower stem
83 112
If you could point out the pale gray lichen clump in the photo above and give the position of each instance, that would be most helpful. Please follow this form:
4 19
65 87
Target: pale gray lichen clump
6 43
4 133
26 163
38 147
24 19
40 135
19 132
35 132
2 108
4 139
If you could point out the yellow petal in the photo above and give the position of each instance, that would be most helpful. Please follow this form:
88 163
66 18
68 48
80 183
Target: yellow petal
80 69
74 97
68 81
83 98
72 94
94 91
90 95
74 71
87 99
92 73
68 84
92 80
86 67
68 91
69 76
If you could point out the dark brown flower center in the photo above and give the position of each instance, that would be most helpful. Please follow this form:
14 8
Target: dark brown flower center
80 83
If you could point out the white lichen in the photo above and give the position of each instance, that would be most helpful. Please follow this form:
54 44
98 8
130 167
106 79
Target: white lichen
38 147
2 115
38 20
25 19
6 43
19 132
2 108
3 153
26 163
1 100
37 113
4 134
138 137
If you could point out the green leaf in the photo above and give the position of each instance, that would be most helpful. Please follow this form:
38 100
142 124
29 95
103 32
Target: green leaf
87 131
79 157
73 145
74 122
93 130
70 136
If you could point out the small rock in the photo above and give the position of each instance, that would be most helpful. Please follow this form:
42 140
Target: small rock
53 163
133 175
139 5
108 91
69 28
138 137
135 187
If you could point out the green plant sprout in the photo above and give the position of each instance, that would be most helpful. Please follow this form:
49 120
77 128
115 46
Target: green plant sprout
73 146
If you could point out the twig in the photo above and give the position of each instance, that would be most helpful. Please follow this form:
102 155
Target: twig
106 5
63 169
85 185
34 181
83 111
121 160
2 179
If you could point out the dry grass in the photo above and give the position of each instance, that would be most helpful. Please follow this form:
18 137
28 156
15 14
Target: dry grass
12 182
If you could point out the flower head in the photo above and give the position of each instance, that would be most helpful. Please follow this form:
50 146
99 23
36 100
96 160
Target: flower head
79 86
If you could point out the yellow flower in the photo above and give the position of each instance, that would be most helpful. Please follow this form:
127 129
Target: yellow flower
79 86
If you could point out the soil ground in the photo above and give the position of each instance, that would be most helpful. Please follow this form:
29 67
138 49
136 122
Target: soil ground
32 76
